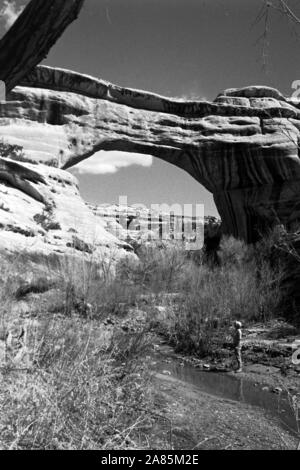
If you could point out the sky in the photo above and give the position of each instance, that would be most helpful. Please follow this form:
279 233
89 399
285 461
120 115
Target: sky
189 49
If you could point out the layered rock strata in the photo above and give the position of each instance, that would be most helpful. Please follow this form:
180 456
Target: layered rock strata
243 147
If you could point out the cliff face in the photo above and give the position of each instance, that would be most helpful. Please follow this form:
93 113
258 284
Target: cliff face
243 147
41 212
140 226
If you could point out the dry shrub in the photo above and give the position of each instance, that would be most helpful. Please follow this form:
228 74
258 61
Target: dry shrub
158 270
243 286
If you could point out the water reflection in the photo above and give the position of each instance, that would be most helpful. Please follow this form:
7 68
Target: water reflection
234 388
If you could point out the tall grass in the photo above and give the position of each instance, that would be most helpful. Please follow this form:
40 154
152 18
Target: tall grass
76 396
81 385
243 286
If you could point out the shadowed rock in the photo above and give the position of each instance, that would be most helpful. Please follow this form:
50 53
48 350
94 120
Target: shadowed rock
17 175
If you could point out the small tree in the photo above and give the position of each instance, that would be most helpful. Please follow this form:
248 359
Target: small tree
14 152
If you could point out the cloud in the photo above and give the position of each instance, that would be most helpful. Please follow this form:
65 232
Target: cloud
102 163
190 97
10 12
192 91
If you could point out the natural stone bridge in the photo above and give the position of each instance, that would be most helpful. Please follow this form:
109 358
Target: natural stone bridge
243 147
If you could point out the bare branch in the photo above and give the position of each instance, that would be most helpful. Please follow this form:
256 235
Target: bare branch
282 7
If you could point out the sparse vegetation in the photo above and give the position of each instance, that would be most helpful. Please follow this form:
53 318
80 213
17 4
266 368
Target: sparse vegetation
80 386
45 219
243 286
14 152
85 383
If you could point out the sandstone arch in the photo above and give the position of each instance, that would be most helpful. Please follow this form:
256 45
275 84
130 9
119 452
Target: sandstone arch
243 147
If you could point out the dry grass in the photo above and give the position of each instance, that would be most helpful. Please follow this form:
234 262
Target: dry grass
85 385
79 384
76 395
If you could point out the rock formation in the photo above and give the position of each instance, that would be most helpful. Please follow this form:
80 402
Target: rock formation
243 147
41 211
18 176
139 225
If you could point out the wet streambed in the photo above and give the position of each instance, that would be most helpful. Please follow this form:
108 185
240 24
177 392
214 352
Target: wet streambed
227 386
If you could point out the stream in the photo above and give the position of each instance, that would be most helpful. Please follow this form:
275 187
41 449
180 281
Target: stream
226 386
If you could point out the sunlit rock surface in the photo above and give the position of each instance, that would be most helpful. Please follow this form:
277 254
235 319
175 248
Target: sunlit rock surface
139 225
56 221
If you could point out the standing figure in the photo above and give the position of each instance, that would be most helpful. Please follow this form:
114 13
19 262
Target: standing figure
237 344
